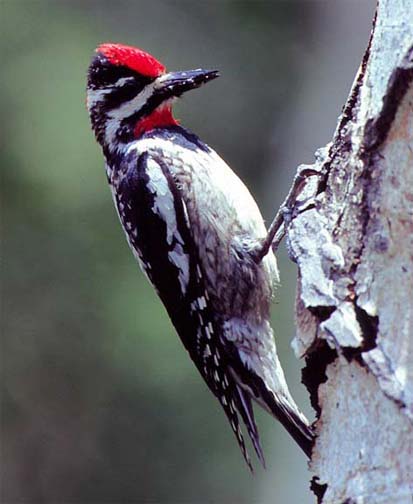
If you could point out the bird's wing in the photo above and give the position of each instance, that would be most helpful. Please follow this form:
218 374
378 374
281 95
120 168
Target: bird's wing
154 214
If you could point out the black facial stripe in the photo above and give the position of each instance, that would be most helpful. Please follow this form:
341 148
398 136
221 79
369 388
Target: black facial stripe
121 95
103 74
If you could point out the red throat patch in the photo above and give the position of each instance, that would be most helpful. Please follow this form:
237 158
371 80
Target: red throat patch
132 57
159 118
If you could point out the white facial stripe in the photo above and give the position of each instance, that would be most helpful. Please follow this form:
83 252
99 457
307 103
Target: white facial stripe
131 106
123 80
116 116
95 96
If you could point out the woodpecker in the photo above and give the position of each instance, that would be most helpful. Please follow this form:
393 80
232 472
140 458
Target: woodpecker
196 232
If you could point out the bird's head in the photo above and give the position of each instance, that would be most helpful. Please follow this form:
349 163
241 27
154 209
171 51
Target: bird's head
130 92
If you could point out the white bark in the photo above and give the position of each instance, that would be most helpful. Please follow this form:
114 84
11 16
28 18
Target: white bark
353 244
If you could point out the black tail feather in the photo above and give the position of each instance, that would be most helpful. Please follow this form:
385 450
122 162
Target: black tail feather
232 416
244 406
293 422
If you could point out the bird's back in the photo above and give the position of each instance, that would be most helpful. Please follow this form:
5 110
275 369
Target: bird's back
225 223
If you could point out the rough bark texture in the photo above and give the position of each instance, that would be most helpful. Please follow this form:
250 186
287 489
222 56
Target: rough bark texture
351 235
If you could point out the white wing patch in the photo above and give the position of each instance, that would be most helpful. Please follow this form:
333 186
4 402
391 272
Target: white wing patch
164 207
181 261
164 201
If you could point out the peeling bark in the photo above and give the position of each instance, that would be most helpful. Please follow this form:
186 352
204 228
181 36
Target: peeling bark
351 235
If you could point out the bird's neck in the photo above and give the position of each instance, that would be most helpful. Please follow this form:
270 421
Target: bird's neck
115 135
161 117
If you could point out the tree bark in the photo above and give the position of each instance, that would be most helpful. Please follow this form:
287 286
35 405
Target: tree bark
351 235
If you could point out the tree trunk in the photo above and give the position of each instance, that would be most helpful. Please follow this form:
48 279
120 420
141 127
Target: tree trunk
351 235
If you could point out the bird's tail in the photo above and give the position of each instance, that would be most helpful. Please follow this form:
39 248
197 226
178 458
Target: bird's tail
244 406
283 409
290 417
240 403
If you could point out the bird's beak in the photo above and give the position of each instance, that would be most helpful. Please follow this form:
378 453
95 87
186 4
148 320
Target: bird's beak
176 83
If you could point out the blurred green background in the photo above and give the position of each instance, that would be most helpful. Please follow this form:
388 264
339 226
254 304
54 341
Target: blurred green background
100 402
